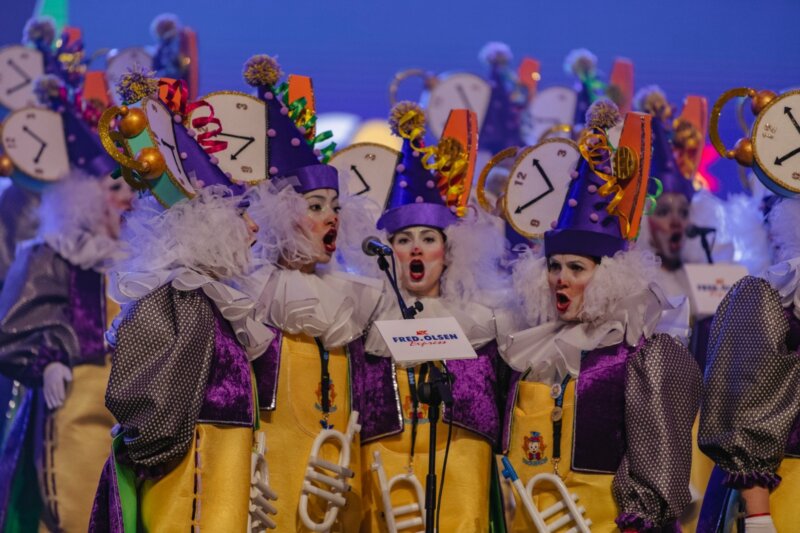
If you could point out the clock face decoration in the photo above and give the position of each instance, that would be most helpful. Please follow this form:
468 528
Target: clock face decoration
538 184
244 126
550 107
120 62
369 167
161 128
19 68
34 140
456 91
776 144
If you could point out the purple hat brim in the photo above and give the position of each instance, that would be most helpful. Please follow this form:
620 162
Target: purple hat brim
417 214
582 242
314 177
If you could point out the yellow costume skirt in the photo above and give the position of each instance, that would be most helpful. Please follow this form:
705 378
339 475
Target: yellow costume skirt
77 437
209 489
531 452
465 503
294 425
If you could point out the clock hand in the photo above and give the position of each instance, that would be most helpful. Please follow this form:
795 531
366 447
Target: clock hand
550 188
463 95
788 112
19 71
29 132
250 140
172 150
15 88
39 153
779 160
366 185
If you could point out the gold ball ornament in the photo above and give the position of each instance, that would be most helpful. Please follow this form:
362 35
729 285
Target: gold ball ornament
743 152
132 123
760 100
6 166
153 161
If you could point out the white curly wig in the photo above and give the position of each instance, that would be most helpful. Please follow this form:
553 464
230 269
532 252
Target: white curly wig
206 234
614 279
784 229
74 220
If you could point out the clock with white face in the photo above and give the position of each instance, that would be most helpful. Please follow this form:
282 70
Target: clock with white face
369 168
538 184
550 107
34 140
244 127
456 91
776 144
120 62
161 127
19 68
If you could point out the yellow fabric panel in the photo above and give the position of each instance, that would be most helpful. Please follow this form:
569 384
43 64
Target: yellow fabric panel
209 489
465 503
783 500
293 426
532 414
77 439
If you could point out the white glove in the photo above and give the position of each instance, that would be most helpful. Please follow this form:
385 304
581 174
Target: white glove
759 524
55 391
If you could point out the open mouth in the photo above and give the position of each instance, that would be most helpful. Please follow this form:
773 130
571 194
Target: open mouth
562 302
329 241
416 269
675 241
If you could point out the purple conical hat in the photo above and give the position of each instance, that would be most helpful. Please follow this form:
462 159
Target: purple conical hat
501 127
414 198
83 146
289 154
664 166
585 226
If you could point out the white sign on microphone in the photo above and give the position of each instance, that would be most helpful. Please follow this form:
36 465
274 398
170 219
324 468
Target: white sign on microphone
710 283
425 339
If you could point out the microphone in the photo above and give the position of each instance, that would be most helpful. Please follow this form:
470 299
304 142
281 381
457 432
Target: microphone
374 246
698 231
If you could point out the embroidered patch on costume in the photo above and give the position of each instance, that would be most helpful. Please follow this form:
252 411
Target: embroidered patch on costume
408 411
331 395
533 448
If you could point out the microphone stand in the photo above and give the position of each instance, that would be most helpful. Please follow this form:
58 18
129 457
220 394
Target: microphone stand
706 247
433 392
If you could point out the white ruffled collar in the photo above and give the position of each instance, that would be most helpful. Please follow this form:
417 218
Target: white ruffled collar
235 306
477 321
89 251
784 277
335 307
553 349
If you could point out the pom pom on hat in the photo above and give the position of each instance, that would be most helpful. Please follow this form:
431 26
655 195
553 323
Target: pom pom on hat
39 31
580 62
495 53
652 100
48 89
602 114
262 71
415 125
137 84
164 26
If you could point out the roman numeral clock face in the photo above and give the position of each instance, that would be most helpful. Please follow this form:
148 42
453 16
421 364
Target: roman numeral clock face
244 127
34 140
456 91
369 168
19 67
776 143
538 184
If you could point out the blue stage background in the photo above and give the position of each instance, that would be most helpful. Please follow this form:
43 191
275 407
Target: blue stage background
353 48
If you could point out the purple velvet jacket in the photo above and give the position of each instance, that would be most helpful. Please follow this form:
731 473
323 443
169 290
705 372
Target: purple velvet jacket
50 310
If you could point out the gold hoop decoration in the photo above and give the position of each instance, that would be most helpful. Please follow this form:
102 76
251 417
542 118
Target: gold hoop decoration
113 140
716 111
493 162
427 78
552 130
